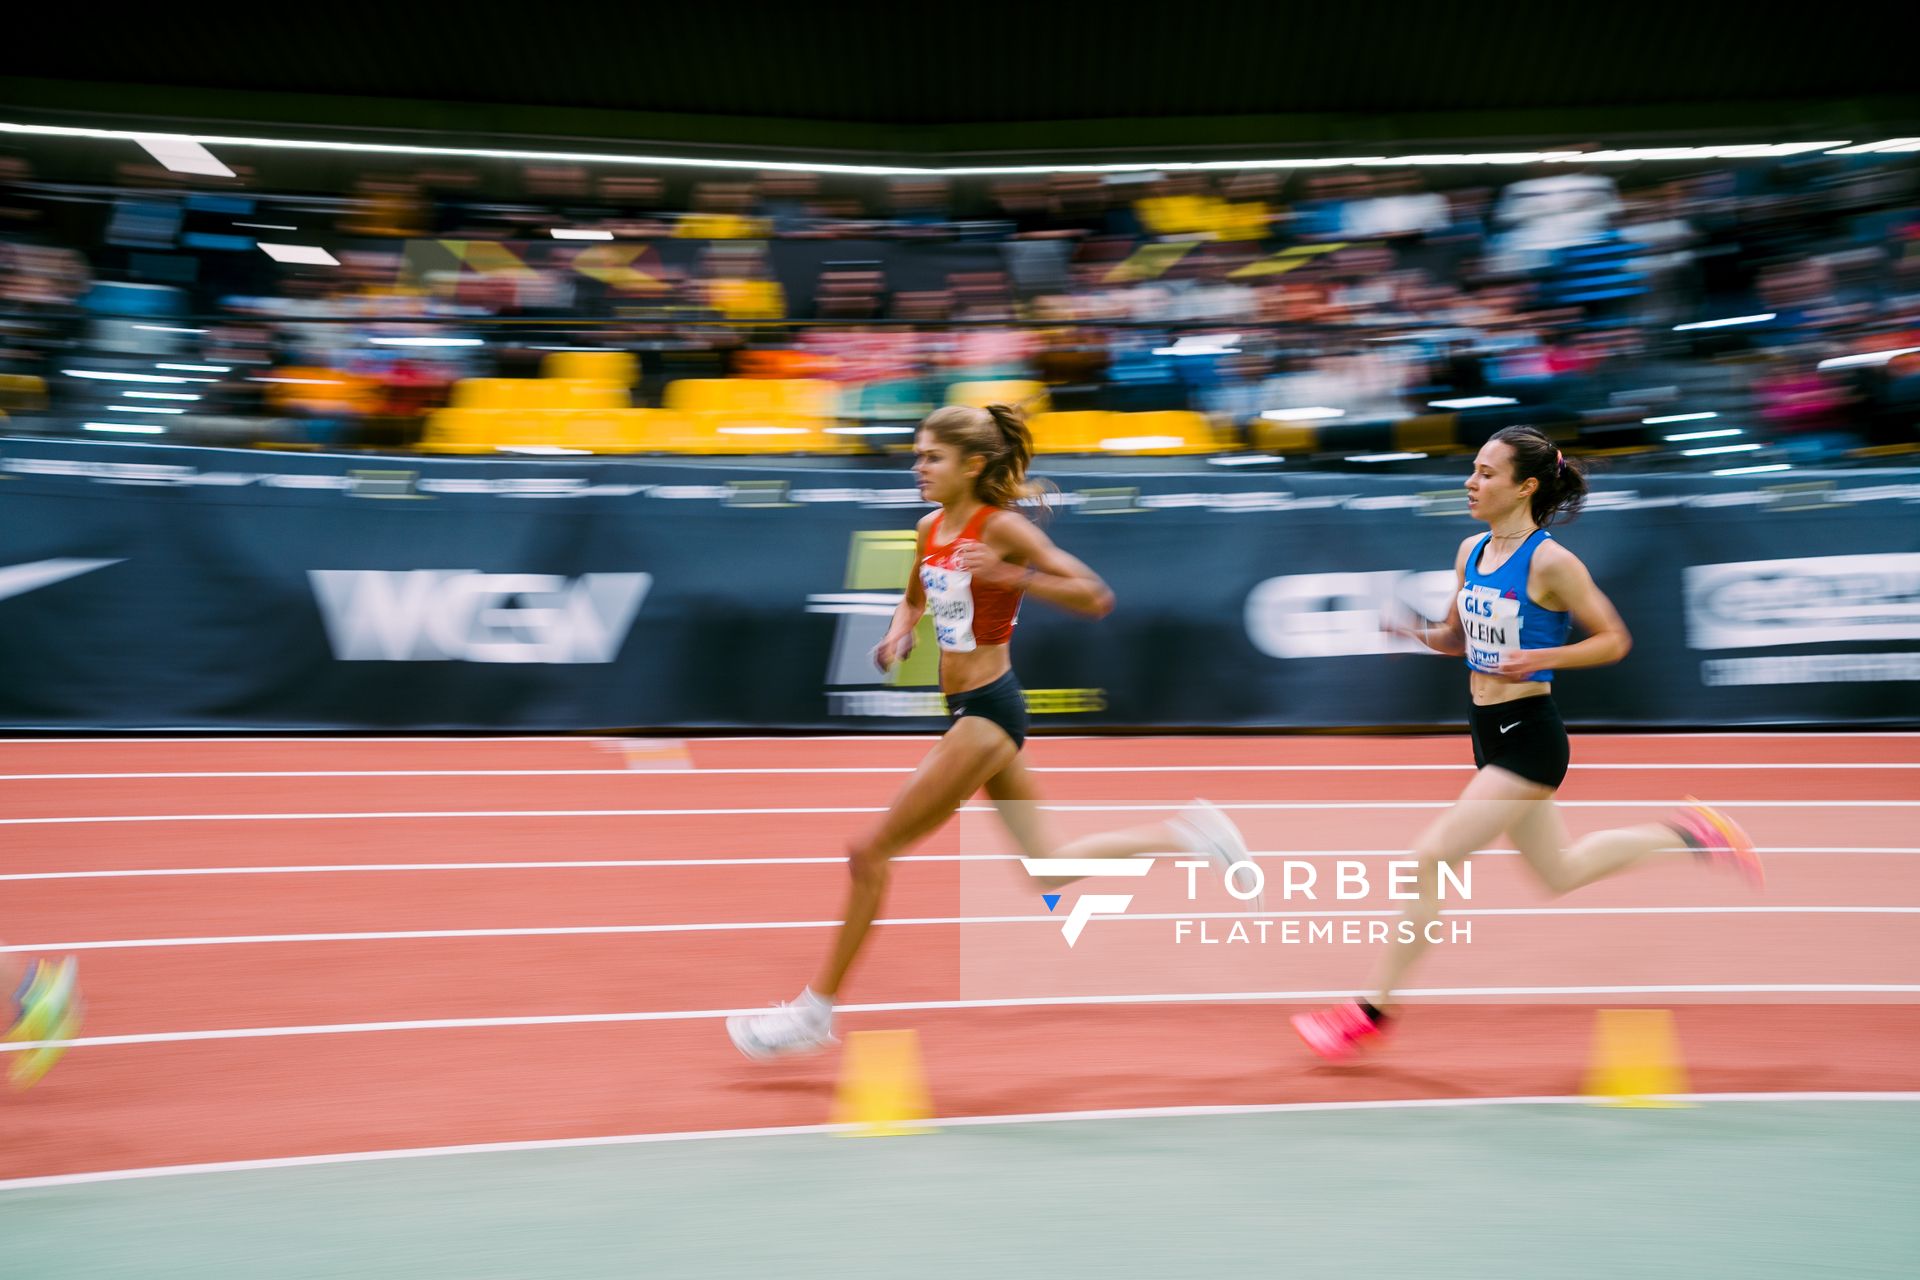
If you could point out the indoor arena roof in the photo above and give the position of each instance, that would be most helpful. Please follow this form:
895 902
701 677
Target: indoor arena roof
947 81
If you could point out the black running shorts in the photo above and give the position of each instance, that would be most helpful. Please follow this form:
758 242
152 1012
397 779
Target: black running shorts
1524 736
1002 702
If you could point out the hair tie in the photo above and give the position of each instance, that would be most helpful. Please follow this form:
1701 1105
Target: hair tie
1559 462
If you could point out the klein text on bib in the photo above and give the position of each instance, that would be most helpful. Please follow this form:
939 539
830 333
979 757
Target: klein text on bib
1491 623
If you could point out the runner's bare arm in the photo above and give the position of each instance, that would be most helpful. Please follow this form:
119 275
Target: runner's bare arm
1017 552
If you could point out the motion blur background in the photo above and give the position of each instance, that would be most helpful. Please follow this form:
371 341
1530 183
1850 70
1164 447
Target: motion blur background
1742 244
528 393
1264 297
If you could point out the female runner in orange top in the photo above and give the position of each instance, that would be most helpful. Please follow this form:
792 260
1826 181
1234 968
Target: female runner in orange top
977 558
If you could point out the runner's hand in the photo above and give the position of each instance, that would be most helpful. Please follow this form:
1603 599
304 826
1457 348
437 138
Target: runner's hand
985 565
894 649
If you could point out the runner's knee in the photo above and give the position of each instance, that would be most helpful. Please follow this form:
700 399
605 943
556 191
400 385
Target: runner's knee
867 863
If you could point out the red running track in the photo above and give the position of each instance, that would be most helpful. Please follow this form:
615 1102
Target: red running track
703 930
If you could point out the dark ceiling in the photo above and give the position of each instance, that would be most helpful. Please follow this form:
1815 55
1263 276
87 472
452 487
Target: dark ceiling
947 79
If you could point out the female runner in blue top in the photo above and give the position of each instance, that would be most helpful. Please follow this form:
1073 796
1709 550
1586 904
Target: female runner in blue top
1518 591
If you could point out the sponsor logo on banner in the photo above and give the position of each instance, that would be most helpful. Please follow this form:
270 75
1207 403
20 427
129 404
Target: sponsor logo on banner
460 615
1815 600
18 579
1336 615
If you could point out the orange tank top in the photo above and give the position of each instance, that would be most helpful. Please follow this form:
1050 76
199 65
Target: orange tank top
965 613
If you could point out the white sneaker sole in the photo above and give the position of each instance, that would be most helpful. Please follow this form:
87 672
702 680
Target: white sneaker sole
757 1052
1220 839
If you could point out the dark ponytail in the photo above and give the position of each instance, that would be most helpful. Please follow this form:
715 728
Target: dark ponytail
1563 480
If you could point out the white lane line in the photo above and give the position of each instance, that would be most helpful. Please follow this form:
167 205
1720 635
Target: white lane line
188 737
754 926
794 860
63 736
1460 767
1165 806
810 1130
924 1006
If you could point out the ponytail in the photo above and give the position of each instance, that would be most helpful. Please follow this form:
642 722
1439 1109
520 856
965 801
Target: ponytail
1003 481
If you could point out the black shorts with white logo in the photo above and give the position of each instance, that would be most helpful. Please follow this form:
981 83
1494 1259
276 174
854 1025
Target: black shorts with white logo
1002 702
1524 736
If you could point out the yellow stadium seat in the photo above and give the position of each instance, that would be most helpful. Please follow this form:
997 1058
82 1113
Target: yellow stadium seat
1284 438
461 430
1029 396
740 433
539 393
494 393
1170 215
768 433
538 427
811 397
487 430
760 415
582 393
1184 215
1431 433
597 366
1166 432
720 226
1079 432
22 391
748 299
624 431
717 395
1241 220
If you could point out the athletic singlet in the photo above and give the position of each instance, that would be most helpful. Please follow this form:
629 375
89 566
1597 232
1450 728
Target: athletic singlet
1497 615
965 613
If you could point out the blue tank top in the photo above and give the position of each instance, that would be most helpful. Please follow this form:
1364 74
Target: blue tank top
1498 617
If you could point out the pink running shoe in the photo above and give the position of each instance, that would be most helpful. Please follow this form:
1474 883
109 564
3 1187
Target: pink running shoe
1719 840
1338 1032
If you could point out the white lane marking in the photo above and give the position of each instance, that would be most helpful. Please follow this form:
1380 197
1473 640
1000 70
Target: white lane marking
62 735
806 1130
728 771
924 1006
1165 806
751 926
794 860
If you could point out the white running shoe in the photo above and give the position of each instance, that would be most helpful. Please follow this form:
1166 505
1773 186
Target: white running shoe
1214 835
786 1029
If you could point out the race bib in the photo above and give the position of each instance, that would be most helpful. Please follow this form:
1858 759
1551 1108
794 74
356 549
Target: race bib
950 605
1491 623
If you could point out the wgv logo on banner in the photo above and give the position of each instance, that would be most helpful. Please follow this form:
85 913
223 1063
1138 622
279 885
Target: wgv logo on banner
460 615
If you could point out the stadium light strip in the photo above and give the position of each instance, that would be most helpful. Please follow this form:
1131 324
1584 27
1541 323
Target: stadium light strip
1742 151
1889 147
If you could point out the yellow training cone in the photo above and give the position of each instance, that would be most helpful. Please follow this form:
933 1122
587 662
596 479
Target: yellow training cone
1636 1059
883 1091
